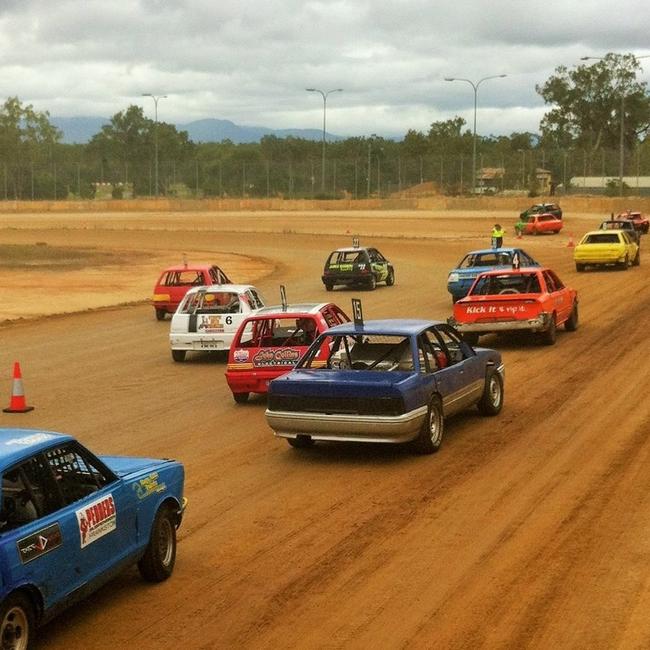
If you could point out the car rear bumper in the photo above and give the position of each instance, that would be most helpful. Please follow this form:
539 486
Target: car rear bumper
537 324
205 342
348 427
252 381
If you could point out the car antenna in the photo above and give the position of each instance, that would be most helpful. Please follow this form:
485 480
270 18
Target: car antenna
283 297
185 260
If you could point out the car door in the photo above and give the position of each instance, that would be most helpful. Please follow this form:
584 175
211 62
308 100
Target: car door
37 543
558 298
99 510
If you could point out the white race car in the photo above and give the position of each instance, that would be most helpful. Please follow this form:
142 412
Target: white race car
208 317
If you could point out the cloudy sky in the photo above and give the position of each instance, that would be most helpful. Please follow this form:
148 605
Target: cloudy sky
250 61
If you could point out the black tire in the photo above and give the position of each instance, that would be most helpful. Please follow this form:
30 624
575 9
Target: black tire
178 355
430 436
625 265
329 286
17 622
301 442
157 563
637 258
372 282
390 279
240 398
491 401
580 267
454 300
471 338
571 323
160 314
550 334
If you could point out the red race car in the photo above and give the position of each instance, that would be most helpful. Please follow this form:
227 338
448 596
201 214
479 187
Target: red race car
538 224
175 281
270 342
532 299
640 221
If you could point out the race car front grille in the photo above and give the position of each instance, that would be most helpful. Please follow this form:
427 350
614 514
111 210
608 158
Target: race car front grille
337 405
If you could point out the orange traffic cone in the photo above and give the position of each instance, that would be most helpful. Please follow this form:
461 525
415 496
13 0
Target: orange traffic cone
570 244
17 404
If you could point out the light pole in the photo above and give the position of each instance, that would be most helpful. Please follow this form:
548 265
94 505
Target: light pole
621 144
324 94
155 98
475 87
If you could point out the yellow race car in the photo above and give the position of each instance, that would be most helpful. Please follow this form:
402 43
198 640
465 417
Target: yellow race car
601 247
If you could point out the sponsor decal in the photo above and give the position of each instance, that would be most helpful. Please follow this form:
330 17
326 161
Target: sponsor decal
41 542
30 440
241 356
148 485
494 309
209 323
280 357
96 520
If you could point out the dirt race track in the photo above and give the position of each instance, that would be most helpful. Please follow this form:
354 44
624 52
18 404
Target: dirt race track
529 530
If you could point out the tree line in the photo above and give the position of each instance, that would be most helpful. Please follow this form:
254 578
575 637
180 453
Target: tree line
598 119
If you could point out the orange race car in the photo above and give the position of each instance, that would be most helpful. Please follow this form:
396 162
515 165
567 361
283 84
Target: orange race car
532 299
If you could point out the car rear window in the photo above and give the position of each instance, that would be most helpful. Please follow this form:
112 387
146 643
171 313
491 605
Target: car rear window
604 238
491 285
183 278
478 260
277 332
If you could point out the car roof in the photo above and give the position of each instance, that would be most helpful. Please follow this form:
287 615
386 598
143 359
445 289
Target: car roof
503 249
16 444
200 266
351 249
598 232
234 288
396 326
523 269
298 308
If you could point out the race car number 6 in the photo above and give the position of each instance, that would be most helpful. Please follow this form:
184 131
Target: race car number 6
228 320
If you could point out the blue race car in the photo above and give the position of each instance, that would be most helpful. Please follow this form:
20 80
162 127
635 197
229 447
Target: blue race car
391 381
462 277
70 520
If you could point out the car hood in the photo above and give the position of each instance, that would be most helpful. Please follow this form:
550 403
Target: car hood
124 465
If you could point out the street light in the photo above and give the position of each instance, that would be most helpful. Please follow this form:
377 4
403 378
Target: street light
475 87
621 144
155 135
324 94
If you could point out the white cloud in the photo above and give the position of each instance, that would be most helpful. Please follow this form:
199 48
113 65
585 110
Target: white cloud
251 61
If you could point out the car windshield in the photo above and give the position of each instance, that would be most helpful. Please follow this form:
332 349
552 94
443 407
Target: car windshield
604 238
278 331
211 302
478 260
376 352
491 285
348 257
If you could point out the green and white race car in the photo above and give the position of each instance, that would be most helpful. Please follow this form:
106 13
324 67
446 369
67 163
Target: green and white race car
357 265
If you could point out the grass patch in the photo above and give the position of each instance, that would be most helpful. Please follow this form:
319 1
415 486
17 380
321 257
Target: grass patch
42 256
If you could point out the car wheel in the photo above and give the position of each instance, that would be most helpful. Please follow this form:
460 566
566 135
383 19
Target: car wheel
372 283
178 355
390 280
580 267
430 435
471 338
571 323
637 258
157 563
625 264
329 286
535 232
492 399
550 334
17 622
160 314
240 398
301 442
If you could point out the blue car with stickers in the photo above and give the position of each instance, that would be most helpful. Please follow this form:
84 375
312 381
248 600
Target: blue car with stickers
71 520
384 381
474 263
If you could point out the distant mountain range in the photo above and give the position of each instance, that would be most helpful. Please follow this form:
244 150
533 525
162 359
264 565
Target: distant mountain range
79 130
